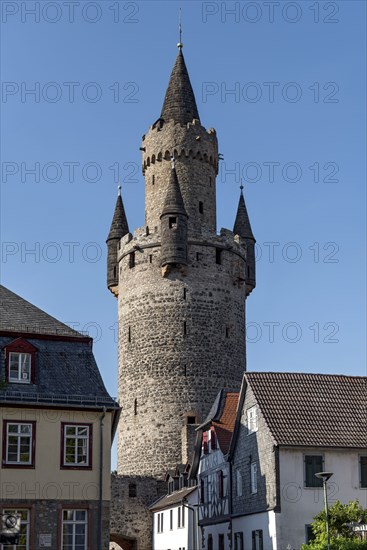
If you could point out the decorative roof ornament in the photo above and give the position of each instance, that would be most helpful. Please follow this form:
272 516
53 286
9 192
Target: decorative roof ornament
119 190
173 162
180 44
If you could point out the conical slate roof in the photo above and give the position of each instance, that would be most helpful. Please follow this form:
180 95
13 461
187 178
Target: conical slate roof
242 226
119 226
173 203
180 104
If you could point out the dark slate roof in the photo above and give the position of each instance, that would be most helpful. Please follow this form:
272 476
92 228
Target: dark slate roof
173 203
18 315
65 369
119 226
169 500
242 226
179 104
66 373
312 409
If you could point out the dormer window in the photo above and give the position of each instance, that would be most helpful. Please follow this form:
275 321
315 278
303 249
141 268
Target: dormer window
20 367
20 362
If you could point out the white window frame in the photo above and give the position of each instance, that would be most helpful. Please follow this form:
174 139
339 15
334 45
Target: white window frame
73 522
253 479
239 483
180 517
24 527
18 435
160 522
252 420
77 438
24 372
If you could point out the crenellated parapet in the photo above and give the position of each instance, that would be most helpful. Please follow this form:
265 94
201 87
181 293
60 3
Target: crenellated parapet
196 154
167 139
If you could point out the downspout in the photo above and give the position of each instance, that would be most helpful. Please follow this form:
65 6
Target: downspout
230 501
101 449
195 539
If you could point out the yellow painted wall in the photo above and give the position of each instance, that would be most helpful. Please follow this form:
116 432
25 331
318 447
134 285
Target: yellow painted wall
47 481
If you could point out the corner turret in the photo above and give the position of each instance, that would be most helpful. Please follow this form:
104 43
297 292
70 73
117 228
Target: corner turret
173 226
242 228
119 228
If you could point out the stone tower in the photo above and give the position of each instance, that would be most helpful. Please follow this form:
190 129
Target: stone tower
181 291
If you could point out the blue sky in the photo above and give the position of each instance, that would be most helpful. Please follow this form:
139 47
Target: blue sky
293 128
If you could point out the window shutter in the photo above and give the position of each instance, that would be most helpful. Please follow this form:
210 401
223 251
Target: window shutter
202 489
213 439
220 484
205 443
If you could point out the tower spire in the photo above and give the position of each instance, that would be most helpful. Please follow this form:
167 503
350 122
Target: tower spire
179 45
179 103
174 203
242 226
119 228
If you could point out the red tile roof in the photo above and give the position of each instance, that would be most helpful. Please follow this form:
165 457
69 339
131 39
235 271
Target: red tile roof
225 424
312 409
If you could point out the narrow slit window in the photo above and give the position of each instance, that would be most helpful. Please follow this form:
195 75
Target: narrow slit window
150 258
210 181
227 332
153 179
201 207
218 256
184 293
184 328
129 334
131 260
185 370
135 406
199 256
132 490
172 222
114 272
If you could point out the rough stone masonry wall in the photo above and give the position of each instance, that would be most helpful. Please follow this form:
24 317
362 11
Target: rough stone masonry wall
130 518
45 518
196 167
181 340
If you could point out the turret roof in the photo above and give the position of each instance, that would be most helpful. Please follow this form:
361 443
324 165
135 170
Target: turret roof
119 225
179 103
173 203
242 226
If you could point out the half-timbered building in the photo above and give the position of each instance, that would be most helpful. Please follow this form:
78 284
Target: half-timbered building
214 474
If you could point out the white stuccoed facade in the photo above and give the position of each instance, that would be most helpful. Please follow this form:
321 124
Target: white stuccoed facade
286 529
177 538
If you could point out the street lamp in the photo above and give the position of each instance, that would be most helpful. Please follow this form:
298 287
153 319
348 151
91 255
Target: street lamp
325 476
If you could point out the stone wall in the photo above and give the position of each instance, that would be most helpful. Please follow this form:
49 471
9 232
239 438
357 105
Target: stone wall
196 153
131 520
181 340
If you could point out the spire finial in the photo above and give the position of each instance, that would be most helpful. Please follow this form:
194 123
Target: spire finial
241 187
173 162
179 45
119 190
